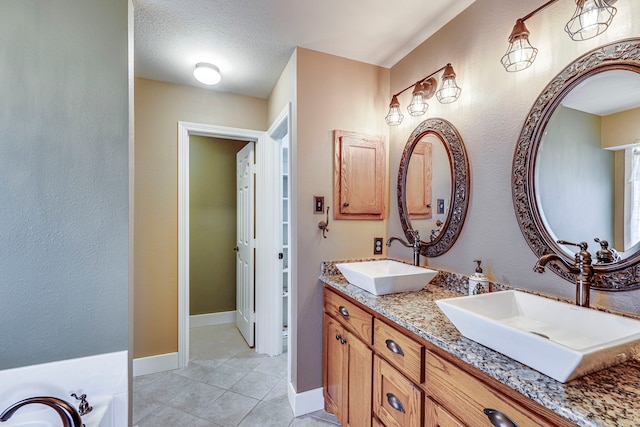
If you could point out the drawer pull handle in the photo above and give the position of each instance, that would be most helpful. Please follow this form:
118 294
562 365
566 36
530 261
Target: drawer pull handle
343 310
498 419
394 347
395 402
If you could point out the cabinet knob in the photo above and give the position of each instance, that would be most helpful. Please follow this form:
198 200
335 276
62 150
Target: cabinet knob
394 347
345 204
338 337
395 403
343 310
498 419
343 341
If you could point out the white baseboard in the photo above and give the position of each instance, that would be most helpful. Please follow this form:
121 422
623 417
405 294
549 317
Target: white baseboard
211 319
305 402
154 364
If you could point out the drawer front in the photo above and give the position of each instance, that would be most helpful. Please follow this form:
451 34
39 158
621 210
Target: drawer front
436 416
468 398
397 402
401 351
350 315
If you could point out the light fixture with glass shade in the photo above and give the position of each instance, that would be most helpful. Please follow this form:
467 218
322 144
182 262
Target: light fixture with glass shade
207 74
591 18
424 89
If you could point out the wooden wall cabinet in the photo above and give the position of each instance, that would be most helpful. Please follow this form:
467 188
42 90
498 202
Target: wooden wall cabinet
391 377
360 164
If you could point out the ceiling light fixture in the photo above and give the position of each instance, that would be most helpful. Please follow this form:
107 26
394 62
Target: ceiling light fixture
591 18
206 73
424 89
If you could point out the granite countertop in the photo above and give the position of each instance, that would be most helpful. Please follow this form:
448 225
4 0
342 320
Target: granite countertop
610 397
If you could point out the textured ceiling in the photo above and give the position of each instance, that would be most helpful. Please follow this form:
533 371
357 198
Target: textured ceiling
252 40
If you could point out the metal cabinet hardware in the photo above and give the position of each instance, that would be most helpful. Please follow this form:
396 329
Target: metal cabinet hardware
498 419
343 310
395 402
394 347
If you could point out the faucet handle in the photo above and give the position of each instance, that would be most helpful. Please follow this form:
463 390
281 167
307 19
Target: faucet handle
83 407
583 255
582 245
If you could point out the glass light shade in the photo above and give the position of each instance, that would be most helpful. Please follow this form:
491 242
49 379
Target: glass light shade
394 118
450 91
591 18
207 74
520 54
418 105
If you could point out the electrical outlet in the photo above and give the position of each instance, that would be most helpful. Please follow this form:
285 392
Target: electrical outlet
440 206
377 245
318 204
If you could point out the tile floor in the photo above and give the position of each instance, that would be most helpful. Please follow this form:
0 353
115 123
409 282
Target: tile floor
225 384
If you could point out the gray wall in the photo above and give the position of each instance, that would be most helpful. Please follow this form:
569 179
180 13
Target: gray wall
63 179
575 178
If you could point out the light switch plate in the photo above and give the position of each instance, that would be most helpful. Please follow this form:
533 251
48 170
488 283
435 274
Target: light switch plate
377 245
318 204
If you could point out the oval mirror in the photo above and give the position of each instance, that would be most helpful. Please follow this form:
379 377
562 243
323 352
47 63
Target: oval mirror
433 186
576 168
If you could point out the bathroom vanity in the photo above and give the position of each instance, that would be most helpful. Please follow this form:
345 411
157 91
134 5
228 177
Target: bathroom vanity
396 360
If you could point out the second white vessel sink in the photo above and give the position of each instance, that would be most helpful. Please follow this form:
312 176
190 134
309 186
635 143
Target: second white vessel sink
561 340
383 277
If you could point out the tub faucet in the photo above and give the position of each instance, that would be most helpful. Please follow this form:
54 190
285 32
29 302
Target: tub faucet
67 413
582 268
417 245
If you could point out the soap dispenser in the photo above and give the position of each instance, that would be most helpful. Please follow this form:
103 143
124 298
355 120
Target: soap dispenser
478 282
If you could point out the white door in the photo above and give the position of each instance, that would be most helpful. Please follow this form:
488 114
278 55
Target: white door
245 243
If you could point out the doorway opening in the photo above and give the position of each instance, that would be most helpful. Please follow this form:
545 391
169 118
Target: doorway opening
270 277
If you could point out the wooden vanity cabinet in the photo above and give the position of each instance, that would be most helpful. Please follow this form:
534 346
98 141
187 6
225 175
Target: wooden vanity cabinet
367 382
348 362
466 398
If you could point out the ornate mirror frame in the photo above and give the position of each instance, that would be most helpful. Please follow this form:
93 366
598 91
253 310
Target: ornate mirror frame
622 55
460 184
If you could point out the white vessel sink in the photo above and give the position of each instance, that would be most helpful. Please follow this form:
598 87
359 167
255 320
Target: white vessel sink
386 276
561 340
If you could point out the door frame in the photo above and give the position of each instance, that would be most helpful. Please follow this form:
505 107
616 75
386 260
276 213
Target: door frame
185 130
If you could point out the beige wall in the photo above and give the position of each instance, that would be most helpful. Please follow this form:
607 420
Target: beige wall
333 93
158 108
621 129
330 93
489 115
212 224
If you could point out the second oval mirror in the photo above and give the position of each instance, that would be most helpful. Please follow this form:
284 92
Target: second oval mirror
433 185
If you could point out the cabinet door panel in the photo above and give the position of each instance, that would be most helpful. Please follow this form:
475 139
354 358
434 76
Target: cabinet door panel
334 355
396 401
359 175
360 378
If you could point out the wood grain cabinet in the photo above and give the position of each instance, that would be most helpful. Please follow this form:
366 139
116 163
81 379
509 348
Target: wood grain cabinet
378 374
348 361
359 176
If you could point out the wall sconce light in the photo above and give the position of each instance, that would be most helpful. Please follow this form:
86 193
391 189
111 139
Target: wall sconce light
424 89
206 73
591 18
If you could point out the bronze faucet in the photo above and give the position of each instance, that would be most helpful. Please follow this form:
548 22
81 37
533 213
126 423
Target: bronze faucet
68 414
582 268
417 244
